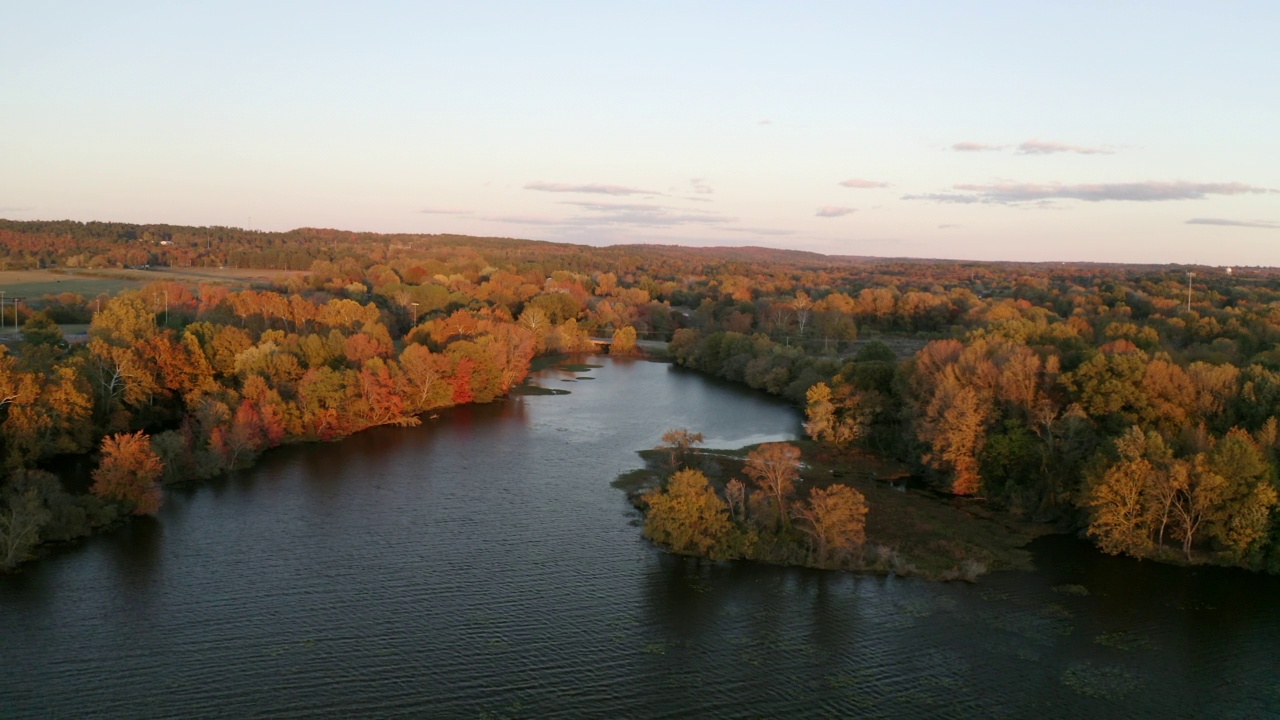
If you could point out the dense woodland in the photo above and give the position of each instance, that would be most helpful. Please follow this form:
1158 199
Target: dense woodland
1118 401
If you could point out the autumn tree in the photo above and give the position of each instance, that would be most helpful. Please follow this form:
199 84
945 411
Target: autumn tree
1120 516
834 520
678 442
128 472
775 467
837 419
954 428
688 517
1200 501
624 342
124 320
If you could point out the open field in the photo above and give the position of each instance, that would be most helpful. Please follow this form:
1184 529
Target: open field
90 283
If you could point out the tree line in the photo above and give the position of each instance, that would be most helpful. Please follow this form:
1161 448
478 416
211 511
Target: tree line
1105 398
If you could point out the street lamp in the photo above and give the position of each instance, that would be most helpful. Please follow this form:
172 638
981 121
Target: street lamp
415 314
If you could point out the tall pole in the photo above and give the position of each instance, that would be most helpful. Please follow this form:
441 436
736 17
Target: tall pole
2 292
415 314
1189 276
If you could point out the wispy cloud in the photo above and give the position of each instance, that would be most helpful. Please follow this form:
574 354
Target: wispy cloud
945 198
759 231
949 226
701 186
764 122
601 215
641 215
1267 224
860 184
1035 147
444 211
834 211
524 219
1049 147
1148 191
594 188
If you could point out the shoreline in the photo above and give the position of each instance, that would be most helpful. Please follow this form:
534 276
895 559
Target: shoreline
573 362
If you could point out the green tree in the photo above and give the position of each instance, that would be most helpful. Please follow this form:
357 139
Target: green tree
22 516
1248 494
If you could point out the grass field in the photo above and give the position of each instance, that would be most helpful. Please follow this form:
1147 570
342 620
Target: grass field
90 283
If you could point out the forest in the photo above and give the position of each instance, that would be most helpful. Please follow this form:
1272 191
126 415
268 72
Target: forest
1134 405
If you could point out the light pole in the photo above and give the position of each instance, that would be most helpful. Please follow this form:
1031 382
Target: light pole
1189 276
2 292
415 314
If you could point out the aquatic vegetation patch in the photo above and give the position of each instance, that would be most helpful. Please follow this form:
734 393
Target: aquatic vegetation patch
1124 640
1071 589
857 677
636 482
514 710
1057 611
1105 682
915 608
536 390
1031 625
578 367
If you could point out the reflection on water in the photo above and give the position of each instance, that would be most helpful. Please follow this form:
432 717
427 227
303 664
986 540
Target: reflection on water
482 566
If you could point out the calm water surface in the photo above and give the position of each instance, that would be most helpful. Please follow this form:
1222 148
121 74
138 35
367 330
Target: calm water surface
481 566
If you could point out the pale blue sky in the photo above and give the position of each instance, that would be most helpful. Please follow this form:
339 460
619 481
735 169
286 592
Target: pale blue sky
999 130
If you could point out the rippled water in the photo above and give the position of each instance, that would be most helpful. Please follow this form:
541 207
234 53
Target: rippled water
482 566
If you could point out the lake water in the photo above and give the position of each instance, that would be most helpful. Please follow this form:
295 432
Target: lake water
481 566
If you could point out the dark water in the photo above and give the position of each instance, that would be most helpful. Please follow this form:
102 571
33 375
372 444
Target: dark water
481 566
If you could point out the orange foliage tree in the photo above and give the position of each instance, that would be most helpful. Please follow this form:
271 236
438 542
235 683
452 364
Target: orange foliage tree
835 520
129 472
775 467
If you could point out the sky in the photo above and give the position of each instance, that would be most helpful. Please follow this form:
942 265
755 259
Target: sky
1096 131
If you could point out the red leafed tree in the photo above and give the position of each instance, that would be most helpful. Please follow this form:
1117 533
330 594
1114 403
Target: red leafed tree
462 392
129 472
246 437
381 392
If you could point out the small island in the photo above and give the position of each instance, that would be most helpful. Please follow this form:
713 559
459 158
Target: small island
802 504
